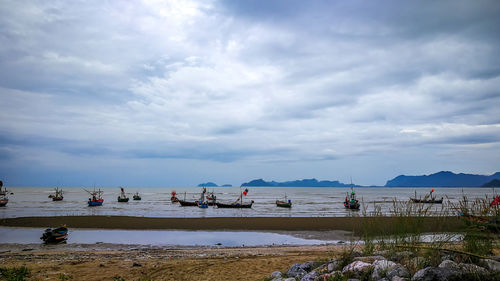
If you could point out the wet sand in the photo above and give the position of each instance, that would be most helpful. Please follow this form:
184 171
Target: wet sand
162 264
351 224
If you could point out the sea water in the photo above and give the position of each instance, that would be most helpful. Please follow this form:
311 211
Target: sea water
307 201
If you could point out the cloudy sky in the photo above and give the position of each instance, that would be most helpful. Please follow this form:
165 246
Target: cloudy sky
162 93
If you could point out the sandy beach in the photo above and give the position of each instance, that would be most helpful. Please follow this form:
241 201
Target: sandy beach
353 224
161 264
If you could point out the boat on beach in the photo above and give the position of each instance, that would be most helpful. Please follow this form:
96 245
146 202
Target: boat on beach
58 195
122 197
96 199
56 235
287 203
136 196
428 198
3 196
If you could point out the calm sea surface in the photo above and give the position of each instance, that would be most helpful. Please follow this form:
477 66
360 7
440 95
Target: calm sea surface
307 202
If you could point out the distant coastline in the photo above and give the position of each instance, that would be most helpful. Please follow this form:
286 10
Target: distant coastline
440 179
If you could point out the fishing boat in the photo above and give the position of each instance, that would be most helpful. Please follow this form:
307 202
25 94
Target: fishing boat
58 196
3 196
136 196
428 198
285 203
174 198
56 235
350 201
96 199
238 204
188 203
122 197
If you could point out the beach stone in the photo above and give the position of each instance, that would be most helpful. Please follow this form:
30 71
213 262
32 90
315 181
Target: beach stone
381 267
472 268
289 279
308 266
435 274
398 271
276 274
310 276
491 264
449 264
327 276
296 270
398 278
357 268
401 256
332 266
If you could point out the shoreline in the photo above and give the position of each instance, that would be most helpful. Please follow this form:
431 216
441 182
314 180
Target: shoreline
350 224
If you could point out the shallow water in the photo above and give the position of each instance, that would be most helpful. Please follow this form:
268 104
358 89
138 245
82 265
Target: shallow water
307 202
11 235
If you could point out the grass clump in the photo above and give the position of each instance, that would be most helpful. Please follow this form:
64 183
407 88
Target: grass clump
14 273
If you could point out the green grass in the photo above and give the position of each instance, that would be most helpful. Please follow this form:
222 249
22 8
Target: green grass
14 273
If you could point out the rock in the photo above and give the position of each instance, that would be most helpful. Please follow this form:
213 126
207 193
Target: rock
369 259
335 275
332 266
381 267
276 274
353 279
401 256
279 279
308 266
289 279
397 278
296 270
491 264
435 274
136 264
472 268
357 268
398 271
310 276
449 264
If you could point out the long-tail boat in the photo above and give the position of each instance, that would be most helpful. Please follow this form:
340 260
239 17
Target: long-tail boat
96 199
238 204
136 196
122 197
428 198
350 201
174 198
284 204
56 235
3 196
58 195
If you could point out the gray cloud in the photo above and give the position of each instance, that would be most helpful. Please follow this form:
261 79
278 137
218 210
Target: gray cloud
304 84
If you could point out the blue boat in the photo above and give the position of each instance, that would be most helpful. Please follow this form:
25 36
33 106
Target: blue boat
96 199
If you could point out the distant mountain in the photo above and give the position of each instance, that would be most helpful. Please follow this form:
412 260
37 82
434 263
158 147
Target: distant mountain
493 183
226 185
297 183
208 184
443 179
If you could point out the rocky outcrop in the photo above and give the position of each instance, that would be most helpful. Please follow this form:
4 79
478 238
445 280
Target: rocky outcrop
378 268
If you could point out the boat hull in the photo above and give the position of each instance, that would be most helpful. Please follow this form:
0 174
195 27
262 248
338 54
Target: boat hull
3 203
283 204
351 205
53 236
432 201
57 198
188 203
95 203
234 206
123 199
137 198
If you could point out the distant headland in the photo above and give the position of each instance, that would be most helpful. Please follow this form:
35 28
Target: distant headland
298 183
440 179
211 184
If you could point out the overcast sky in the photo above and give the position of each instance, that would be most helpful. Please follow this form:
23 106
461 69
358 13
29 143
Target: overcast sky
169 93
